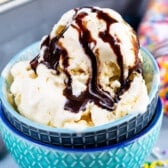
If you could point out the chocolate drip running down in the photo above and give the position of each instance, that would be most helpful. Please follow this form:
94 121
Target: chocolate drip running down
53 51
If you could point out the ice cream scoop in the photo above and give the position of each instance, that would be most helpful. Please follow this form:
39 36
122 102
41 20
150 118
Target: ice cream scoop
88 72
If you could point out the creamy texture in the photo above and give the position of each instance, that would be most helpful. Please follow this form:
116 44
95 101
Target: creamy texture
88 72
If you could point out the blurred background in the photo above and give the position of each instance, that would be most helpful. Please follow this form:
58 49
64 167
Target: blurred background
23 22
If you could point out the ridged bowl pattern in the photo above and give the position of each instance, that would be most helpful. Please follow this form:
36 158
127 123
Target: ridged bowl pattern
30 153
104 135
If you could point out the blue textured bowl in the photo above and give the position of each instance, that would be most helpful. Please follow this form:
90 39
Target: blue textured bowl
129 154
107 134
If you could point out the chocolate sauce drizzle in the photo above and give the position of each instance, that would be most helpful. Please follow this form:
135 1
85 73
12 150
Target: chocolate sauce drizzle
53 51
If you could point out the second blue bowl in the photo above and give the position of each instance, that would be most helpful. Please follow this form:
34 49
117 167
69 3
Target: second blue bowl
128 154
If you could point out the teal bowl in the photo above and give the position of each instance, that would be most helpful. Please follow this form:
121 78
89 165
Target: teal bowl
104 135
128 154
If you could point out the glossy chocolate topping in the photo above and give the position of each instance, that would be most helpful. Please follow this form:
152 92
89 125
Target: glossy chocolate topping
53 51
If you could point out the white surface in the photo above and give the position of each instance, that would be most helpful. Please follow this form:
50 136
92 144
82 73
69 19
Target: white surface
12 4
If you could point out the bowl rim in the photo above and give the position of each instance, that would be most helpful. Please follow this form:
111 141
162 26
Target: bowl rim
15 114
156 78
157 119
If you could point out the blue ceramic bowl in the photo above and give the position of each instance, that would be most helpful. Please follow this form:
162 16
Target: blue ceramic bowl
107 134
128 154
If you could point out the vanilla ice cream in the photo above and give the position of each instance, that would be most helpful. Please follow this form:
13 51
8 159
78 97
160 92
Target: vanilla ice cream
88 72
